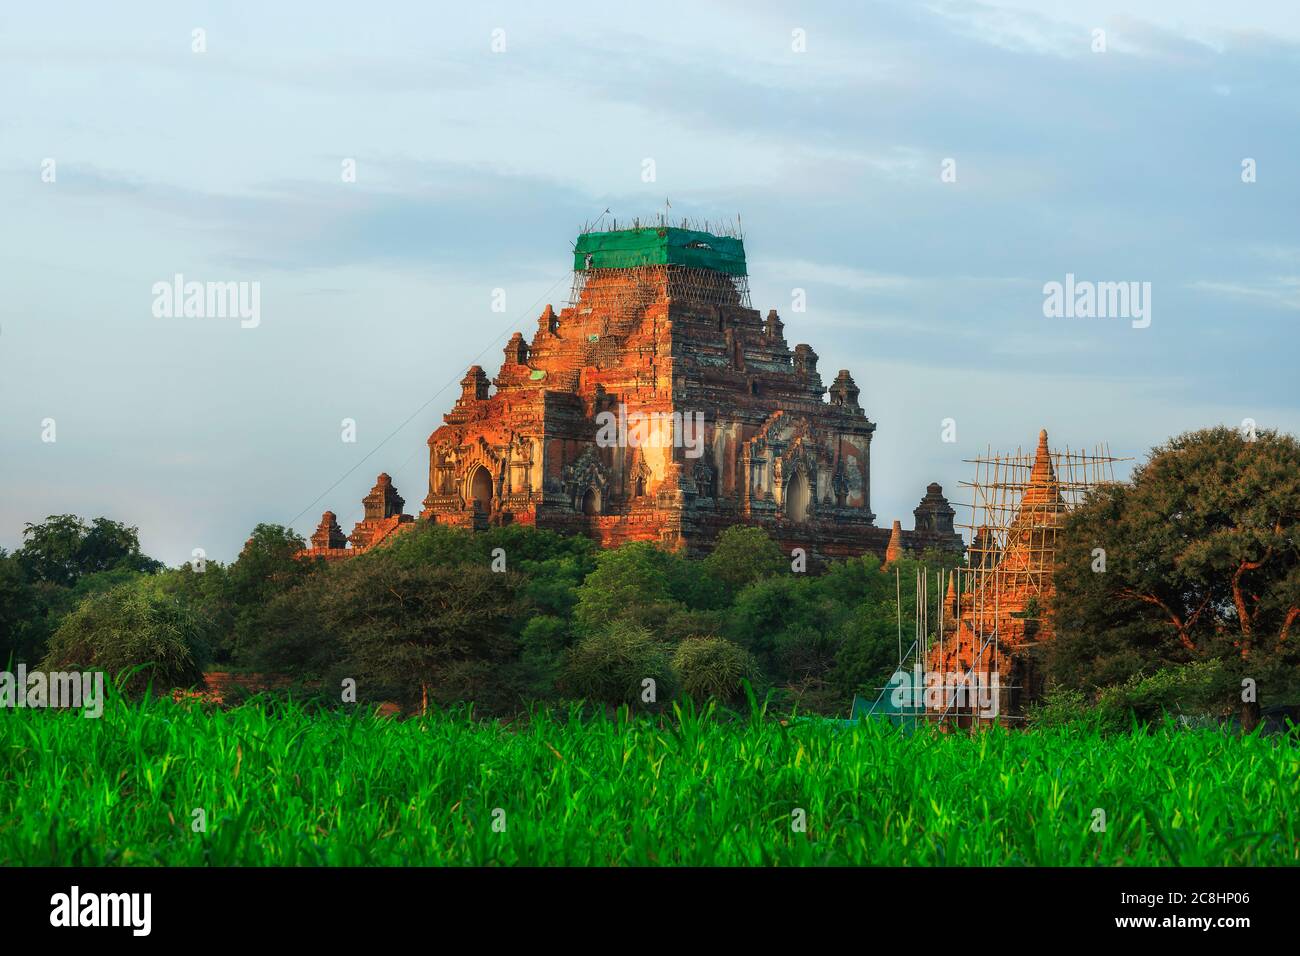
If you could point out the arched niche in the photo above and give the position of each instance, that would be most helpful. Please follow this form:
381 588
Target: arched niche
797 497
480 488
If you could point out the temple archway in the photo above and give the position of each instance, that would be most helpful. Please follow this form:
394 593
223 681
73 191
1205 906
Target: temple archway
797 496
480 488
591 502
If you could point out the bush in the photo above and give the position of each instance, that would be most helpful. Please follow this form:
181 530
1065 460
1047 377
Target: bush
714 667
687 623
1064 707
1204 688
1201 690
135 625
610 666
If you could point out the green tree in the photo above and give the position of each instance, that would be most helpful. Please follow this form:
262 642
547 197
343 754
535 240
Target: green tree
63 548
19 603
134 625
714 667
866 651
1201 558
267 567
745 554
542 645
554 565
267 564
783 621
425 633
438 615
634 582
30 611
292 638
612 666
209 592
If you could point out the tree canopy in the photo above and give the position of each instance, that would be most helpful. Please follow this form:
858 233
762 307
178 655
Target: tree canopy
63 548
135 629
1197 558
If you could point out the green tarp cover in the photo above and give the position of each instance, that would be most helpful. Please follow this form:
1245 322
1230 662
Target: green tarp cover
908 714
659 245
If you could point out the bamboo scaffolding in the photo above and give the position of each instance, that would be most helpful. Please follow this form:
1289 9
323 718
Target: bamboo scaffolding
1014 517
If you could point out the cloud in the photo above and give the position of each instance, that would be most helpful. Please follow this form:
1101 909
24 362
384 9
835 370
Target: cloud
476 171
443 216
1281 292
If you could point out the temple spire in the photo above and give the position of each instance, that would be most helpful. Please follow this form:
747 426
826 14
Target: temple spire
1043 472
894 551
1043 487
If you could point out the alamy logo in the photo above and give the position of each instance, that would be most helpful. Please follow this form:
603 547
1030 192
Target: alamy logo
651 430
102 909
977 691
208 300
40 689
1098 300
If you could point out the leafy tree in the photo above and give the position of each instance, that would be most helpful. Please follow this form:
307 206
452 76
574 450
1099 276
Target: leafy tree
855 580
825 637
686 622
714 667
267 564
30 611
63 548
542 645
774 617
422 633
292 638
1187 690
134 625
111 545
437 544
743 555
209 592
692 585
1202 562
633 582
19 603
432 617
611 666
1070 709
529 545
520 547
554 566
266 567
866 652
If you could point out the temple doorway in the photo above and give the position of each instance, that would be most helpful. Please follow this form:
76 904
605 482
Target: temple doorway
480 489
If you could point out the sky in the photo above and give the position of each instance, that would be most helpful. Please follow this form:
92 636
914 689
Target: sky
921 170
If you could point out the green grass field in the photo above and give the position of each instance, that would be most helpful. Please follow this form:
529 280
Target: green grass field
290 787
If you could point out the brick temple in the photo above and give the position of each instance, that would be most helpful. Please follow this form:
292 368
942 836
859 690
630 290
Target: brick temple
657 406
999 622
